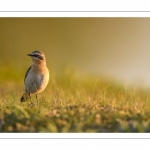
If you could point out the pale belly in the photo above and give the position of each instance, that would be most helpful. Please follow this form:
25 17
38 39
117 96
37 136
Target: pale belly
36 83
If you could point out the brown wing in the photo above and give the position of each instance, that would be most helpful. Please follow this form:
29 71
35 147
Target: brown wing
27 73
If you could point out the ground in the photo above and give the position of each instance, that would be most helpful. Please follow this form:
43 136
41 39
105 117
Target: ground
76 104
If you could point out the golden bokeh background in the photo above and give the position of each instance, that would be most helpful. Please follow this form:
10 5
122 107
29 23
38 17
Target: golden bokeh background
113 47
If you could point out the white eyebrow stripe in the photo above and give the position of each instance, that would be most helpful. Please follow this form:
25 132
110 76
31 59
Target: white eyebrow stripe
37 54
41 57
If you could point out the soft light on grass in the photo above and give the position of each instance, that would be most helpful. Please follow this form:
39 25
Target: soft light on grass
76 104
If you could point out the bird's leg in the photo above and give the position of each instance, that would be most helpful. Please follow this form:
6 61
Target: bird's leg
32 104
30 96
37 98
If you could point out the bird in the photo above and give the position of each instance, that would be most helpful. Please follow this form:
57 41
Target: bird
37 76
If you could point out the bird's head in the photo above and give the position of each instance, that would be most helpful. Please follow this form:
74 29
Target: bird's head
38 57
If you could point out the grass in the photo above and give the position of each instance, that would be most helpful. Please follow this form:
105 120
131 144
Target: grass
75 104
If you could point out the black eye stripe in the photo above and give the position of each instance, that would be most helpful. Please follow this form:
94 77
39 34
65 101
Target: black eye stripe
38 56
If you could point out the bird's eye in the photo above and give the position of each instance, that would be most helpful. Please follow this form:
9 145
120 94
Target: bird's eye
39 57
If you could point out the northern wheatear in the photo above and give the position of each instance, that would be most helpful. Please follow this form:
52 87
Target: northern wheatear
37 76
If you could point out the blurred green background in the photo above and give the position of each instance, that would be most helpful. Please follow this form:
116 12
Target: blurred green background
113 47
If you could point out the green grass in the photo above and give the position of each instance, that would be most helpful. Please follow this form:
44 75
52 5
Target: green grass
76 104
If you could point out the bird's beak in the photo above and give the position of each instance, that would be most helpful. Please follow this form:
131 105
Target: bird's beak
29 54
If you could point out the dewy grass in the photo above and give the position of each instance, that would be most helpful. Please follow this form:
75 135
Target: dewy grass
76 104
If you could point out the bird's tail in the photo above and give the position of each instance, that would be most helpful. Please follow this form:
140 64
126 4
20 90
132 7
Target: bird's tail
25 97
